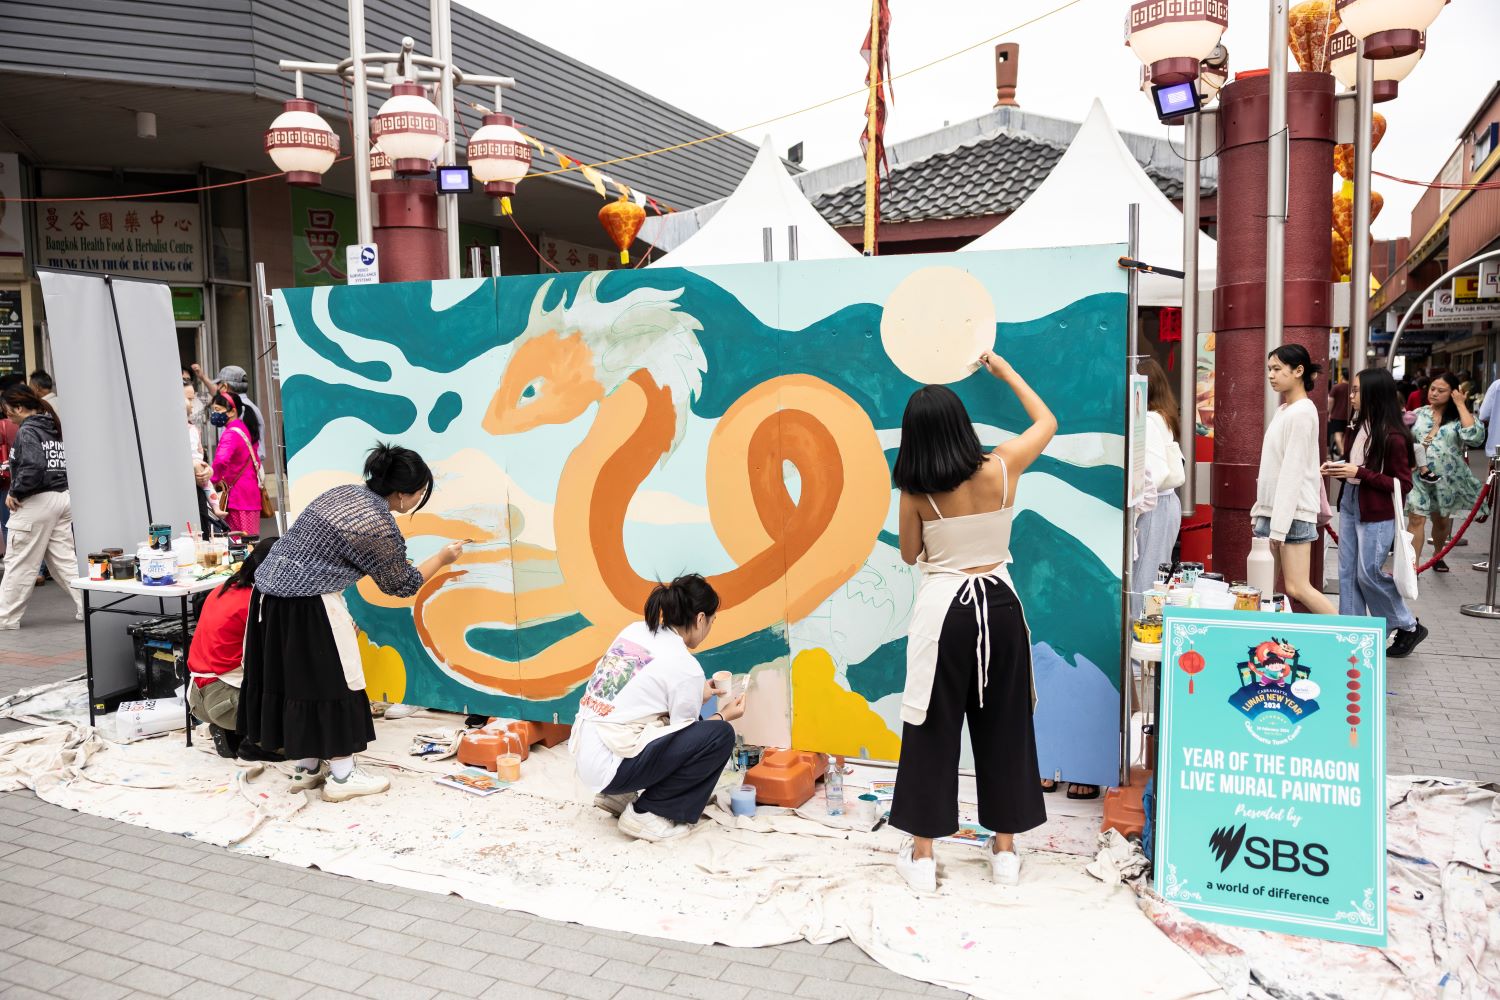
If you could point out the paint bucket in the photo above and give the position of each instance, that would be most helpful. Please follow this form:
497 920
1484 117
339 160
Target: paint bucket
160 536
98 566
158 567
122 567
866 811
742 800
1147 630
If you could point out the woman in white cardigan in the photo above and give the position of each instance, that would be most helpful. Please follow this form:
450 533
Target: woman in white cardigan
1156 528
1287 492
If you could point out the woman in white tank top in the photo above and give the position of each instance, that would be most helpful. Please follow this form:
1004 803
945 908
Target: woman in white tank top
968 649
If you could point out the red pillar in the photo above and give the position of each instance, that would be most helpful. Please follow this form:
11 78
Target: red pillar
412 245
1240 292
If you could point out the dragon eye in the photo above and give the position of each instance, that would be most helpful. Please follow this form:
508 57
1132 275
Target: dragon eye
532 389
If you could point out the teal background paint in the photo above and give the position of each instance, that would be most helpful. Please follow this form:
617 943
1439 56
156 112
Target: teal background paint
1189 872
419 362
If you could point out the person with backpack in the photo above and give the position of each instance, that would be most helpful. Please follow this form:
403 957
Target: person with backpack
41 514
236 467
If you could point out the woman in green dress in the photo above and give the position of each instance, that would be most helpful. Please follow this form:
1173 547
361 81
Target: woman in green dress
1445 427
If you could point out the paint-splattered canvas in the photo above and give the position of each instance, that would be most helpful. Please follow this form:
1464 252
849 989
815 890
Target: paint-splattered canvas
594 433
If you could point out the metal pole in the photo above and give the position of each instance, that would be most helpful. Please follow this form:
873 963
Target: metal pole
442 50
476 263
267 373
1359 271
1127 570
494 262
791 242
360 100
1489 609
767 253
1278 149
1187 375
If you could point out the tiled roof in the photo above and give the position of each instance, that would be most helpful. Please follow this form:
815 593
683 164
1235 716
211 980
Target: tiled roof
989 176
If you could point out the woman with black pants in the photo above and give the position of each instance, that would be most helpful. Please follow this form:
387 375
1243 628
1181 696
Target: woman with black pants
304 692
968 651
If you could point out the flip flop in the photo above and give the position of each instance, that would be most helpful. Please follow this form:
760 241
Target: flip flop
1084 795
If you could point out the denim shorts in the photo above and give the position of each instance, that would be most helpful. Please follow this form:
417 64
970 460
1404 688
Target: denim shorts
1300 531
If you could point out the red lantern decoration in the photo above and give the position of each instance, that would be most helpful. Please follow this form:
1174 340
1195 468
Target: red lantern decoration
622 219
1352 705
1191 662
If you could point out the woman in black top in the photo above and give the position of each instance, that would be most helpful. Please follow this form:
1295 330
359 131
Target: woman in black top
41 517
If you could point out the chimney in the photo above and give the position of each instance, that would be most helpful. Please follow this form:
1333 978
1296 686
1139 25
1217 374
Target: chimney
1007 68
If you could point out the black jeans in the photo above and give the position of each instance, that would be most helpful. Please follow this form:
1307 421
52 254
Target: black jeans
676 774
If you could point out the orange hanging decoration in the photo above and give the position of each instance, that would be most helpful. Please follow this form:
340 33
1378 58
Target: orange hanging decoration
1310 25
1343 156
622 219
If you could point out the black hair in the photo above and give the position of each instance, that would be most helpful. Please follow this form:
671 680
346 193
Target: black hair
246 575
1295 356
679 603
41 378
25 397
390 468
939 449
1450 412
243 413
1379 415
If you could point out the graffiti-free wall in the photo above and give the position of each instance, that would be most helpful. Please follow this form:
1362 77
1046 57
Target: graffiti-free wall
594 433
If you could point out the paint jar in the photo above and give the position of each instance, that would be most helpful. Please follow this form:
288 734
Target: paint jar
1148 630
160 536
98 566
742 800
508 764
1246 598
1153 601
158 567
866 811
1191 572
1164 574
122 567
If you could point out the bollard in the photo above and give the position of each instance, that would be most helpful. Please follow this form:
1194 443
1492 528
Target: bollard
1488 609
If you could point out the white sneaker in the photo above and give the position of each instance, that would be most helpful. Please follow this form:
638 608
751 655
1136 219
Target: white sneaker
360 782
401 711
306 781
614 804
651 827
1005 867
920 873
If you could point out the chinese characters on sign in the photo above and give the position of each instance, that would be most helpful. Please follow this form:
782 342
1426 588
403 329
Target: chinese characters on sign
322 225
143 239
567 256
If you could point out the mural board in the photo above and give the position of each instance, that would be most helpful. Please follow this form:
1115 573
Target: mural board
599 431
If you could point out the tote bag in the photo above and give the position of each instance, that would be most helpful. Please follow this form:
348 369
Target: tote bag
1404 568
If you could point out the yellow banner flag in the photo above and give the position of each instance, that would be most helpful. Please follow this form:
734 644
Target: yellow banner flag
595 178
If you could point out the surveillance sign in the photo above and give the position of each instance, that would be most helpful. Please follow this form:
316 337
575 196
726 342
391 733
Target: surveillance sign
362 264
1271 772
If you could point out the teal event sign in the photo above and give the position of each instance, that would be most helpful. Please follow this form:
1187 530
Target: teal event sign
1271 772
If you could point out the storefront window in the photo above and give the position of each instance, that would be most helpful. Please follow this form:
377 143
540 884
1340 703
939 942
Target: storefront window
233 322
227 214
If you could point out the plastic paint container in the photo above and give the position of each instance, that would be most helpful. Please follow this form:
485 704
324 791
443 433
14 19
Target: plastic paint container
122 567
866 810
158 567
98 566
742 800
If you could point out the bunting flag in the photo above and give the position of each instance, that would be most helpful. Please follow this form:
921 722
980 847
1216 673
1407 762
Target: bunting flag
594 177
876 53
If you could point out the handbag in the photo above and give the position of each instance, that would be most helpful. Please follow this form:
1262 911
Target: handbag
1404 560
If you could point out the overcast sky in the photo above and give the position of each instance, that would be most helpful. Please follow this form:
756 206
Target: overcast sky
738 64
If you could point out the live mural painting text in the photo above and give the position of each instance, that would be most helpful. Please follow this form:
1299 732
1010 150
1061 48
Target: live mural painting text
593 433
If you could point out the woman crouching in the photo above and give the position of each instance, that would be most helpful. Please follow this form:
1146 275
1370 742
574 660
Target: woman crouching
637 739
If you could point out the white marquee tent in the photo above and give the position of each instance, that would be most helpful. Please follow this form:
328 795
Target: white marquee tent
733 232
1085 199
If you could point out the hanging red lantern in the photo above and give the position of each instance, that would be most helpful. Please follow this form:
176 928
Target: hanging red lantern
1191 662
622 219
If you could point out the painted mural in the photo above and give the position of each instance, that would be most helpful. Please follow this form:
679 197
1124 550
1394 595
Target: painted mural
593 433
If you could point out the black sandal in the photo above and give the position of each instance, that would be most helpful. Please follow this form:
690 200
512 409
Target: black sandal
1049 785
1082 795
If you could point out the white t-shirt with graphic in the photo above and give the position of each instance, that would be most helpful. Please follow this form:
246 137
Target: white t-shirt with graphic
643 675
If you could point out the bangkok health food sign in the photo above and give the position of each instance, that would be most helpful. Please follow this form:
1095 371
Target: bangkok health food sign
1271 775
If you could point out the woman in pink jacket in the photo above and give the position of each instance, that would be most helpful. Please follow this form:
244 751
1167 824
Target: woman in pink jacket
235 466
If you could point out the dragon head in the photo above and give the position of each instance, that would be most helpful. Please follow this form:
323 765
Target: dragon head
574 354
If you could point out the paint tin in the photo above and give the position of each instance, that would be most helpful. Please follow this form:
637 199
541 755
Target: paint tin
158 567
866 811
98 566
1246 598
1148 629
742 800
1190 573
161 536
122 567
1164 574
1153 601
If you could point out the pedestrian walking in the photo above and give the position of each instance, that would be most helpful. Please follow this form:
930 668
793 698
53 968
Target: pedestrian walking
41 515
235 466
1444 428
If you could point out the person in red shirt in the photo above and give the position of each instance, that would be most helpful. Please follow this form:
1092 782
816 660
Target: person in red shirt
216 657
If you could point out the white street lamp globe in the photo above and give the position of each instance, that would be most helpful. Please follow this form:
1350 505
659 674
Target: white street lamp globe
409 129
301 143
1344 64
1174 37
380 165
1390 28
500 156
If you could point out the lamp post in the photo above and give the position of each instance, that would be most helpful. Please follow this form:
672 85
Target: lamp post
411 133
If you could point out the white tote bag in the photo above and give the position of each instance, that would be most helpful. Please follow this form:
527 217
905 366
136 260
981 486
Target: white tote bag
1404 561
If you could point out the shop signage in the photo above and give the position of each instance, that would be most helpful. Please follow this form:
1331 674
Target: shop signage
1443 309
142 239
362 264
1271 775
1466 286
187 305
322 225
12 238
567 256
12 333
1489 279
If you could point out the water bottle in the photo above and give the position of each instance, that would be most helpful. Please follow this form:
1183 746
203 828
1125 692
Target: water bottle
833 787
1260 567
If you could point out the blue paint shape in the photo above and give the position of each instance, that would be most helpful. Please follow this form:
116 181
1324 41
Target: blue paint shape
299 306
310 404
447 408
881 673
514 645
392 314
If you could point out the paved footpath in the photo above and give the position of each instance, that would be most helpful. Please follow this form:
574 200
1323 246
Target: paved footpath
97 909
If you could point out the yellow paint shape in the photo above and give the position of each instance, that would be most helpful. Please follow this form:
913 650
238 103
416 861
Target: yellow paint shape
936 323
830 719
385 672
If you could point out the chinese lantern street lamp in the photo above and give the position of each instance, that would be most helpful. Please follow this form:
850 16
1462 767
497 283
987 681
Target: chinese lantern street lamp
499 155
1390 29
301 143
380 165
1173 38
409 129
1344 64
